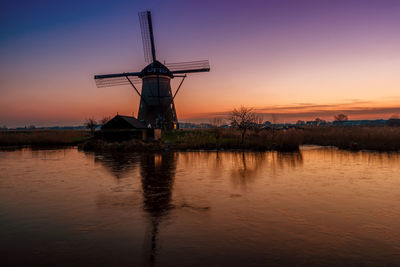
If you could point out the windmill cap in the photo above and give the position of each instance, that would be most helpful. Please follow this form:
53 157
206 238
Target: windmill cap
156 68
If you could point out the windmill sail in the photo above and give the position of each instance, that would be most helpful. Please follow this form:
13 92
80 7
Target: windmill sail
146 27
116 79
189 67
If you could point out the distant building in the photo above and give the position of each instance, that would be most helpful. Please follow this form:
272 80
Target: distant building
380 122
206 125
393 122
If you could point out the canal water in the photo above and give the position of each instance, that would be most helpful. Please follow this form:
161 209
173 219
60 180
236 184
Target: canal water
319 206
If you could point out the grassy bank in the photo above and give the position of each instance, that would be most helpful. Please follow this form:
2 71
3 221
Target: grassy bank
210 139
287 140
42 138
354 138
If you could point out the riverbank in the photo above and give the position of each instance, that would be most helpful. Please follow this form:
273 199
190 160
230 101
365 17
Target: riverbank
42 138
210 139
350 138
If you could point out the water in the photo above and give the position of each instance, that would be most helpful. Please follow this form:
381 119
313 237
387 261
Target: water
321 206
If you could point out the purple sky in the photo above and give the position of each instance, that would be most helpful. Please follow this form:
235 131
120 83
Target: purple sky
269 55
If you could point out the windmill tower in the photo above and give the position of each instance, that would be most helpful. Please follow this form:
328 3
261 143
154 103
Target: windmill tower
156 108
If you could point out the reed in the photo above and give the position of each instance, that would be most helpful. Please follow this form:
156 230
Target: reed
42 137
288 140
354 138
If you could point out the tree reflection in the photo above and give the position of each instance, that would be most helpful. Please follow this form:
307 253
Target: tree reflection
246 167
289 159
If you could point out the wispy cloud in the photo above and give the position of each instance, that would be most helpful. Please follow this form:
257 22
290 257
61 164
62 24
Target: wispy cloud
355 109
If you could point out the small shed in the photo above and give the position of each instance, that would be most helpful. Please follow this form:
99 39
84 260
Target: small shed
121 128
123 123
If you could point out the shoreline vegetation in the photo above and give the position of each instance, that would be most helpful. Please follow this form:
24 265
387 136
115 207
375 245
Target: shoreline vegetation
351 138
43 138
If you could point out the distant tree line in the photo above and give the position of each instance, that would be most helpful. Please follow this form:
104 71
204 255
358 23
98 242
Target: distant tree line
393 122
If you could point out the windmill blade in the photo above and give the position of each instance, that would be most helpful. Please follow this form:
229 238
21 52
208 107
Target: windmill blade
115 75
189 67
109 80
146 27
100 83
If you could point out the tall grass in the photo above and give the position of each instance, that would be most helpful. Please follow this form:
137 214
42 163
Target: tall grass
231 139
355 138
42 137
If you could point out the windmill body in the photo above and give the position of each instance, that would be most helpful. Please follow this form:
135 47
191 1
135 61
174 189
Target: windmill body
156 108
156 104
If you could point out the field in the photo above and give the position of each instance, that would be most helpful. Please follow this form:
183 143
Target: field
42 138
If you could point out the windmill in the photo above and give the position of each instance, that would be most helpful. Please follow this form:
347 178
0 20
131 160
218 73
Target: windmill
156 108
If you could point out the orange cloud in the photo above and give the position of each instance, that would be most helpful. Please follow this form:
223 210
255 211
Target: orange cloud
355 109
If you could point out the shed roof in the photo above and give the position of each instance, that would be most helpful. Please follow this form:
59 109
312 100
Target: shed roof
123 122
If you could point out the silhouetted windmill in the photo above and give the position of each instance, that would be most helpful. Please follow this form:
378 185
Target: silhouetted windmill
156 100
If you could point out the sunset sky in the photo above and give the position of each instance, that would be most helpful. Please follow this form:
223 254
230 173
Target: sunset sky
294 59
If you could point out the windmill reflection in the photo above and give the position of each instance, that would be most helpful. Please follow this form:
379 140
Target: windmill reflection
118 164
248 165
158 172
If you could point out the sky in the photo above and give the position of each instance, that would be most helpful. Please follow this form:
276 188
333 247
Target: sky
288 60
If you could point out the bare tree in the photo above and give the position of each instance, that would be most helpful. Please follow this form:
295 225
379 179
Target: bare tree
243 119
341 117
91 124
